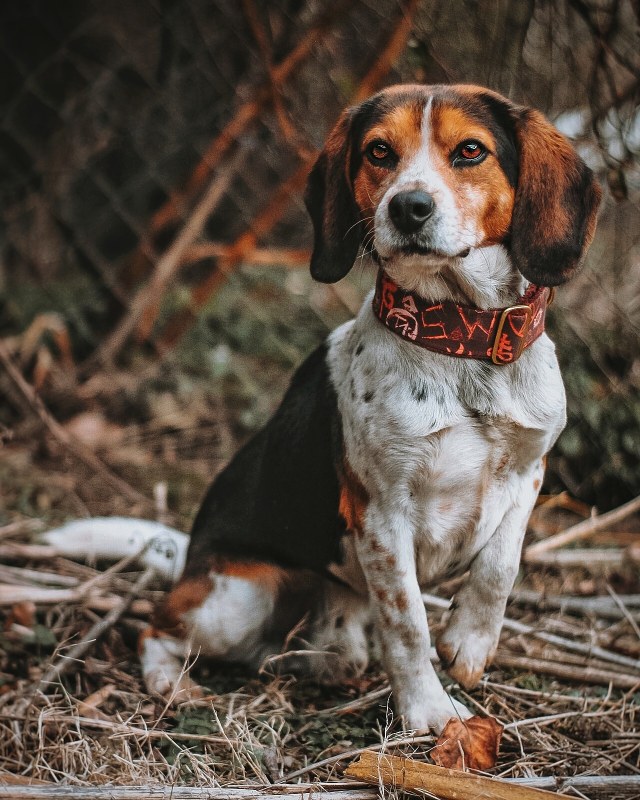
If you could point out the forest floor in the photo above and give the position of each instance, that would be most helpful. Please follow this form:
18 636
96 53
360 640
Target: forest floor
565 686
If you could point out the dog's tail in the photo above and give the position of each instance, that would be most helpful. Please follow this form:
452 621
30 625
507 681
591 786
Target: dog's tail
156 546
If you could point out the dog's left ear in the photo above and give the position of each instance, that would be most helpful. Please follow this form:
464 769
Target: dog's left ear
332 207
556 202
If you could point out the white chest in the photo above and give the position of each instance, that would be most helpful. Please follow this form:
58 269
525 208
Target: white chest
447 444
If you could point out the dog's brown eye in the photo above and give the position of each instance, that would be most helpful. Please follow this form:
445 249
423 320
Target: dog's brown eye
470 152
378 151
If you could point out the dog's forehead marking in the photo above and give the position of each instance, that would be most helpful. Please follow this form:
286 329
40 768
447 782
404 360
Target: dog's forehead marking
424 165
400 125
453 124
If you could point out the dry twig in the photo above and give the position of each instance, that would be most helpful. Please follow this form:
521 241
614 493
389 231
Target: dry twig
582 530
572 672
151 293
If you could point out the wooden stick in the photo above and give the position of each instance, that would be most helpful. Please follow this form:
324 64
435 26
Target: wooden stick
27 577
72 445
582 530
36 552
43 596
151 293
572 672
447 784
594 559
158 792
602 786
604 607
20 526
10 594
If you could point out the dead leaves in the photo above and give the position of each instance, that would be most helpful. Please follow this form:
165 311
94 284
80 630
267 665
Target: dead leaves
468 744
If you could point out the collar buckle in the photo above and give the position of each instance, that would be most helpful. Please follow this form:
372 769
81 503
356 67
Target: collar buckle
508 348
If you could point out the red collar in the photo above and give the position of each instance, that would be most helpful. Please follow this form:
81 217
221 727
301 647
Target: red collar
496 334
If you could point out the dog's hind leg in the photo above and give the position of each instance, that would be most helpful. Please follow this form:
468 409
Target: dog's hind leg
225 614
339 635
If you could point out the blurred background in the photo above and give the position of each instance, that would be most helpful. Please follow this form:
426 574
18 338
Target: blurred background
154 291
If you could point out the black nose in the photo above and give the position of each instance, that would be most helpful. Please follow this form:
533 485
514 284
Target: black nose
410 210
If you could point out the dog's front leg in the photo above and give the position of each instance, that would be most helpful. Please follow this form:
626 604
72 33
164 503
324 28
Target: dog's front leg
386 553
471 636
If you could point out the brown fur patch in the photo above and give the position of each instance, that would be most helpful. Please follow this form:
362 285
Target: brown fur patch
401 129
544 162
483 188
255 571
354 500
148 633
381 594
401 601
188 594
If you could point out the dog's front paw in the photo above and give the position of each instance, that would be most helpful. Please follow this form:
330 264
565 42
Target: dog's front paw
465 650
434 717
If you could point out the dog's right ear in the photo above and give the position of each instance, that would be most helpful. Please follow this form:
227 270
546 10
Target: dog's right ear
332 207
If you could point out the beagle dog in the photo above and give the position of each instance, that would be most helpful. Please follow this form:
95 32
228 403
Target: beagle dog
410 445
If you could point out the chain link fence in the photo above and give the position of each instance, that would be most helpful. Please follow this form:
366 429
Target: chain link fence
153 153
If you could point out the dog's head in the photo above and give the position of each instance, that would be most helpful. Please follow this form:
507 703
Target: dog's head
421 175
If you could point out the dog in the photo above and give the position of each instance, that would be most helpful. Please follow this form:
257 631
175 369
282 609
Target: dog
410 445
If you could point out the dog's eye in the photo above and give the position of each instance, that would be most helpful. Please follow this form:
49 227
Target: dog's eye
379 151
469 152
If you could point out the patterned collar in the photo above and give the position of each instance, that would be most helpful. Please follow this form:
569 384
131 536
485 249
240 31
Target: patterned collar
499 335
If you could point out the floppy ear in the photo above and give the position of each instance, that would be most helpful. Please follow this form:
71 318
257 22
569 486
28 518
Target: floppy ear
332 207
556 203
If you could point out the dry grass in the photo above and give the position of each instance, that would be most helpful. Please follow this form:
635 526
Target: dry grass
94 724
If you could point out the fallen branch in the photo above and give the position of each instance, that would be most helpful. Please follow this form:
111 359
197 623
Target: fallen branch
620 786
448 784
604 607
151 293
589 558
19 576
582 530
155 792
571 672
10 594
21 526
72 445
